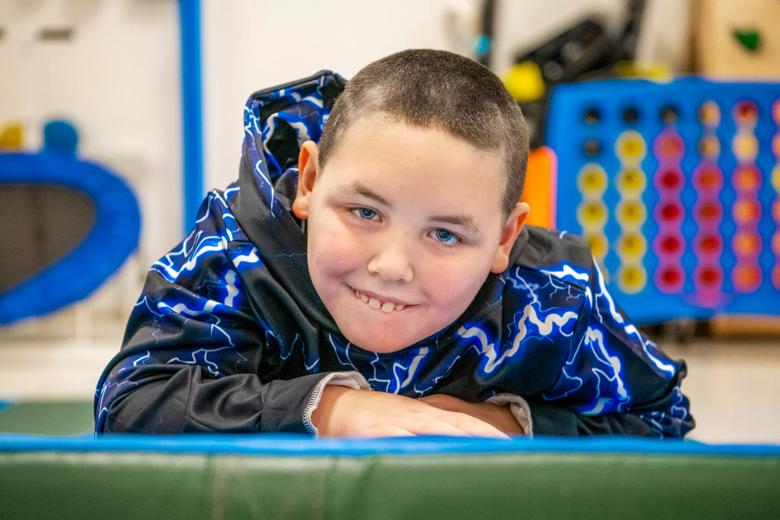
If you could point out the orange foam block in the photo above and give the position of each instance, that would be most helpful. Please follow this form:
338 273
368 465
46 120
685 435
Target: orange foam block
541 181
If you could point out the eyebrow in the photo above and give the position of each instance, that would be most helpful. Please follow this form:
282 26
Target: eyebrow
356 188
458 220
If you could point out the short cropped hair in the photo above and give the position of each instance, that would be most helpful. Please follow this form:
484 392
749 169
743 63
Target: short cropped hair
426 87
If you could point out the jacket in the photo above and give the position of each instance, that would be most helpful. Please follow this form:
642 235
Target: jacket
229 334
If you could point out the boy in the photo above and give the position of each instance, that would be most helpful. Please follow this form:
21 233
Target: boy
391 257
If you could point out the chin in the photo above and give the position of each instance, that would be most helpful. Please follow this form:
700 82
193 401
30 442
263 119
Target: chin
372 343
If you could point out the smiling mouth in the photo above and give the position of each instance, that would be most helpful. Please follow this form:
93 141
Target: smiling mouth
378 304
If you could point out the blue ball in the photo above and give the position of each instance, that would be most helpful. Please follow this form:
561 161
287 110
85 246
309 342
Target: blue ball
60 135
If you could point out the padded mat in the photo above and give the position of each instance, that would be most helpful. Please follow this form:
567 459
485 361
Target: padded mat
278 476
47 417
68 473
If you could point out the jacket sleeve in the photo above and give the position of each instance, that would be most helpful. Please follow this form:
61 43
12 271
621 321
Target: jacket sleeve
614 380
190 364
196 358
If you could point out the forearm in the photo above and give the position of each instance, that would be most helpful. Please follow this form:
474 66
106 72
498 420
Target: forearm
550 419
187 401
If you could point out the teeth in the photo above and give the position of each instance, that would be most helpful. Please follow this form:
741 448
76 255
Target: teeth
378 305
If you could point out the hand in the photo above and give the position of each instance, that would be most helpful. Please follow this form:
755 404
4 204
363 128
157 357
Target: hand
501 417
344 412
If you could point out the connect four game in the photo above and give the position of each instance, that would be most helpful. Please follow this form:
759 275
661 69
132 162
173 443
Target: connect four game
676 187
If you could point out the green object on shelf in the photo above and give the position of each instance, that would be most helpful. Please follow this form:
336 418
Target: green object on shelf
749 39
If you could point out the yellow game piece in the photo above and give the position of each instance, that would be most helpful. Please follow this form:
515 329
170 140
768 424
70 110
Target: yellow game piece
709 114
631 181
11 137
632 278
592 215
776 211
525 82
642 69
745 147
709 147
776 243
776 145
631 214
631 246
598 244
592 180
630 147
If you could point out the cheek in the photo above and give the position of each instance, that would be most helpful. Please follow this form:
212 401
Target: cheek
453 283
332 250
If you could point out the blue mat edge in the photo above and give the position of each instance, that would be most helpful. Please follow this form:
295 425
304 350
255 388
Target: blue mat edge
290 445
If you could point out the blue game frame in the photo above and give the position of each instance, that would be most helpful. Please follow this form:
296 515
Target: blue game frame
569 131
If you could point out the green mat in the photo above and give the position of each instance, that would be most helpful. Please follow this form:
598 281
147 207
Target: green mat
273 477
81 485
47 417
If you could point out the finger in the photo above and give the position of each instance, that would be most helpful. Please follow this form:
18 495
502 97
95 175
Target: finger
436 427
433 398
443 402
475 427
394 431
387 430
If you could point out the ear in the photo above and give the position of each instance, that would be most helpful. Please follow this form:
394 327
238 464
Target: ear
308 169
514 224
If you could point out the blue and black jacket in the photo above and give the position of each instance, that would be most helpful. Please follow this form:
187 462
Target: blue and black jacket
229 334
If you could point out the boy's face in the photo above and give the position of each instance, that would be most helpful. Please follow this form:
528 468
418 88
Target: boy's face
383 229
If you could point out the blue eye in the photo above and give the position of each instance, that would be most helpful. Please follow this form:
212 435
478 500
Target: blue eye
445 237
364 213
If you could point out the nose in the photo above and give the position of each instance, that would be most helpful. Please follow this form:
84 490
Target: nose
391 264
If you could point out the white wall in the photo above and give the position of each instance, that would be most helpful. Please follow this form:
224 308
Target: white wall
527 23
250 45
117 79
253 44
